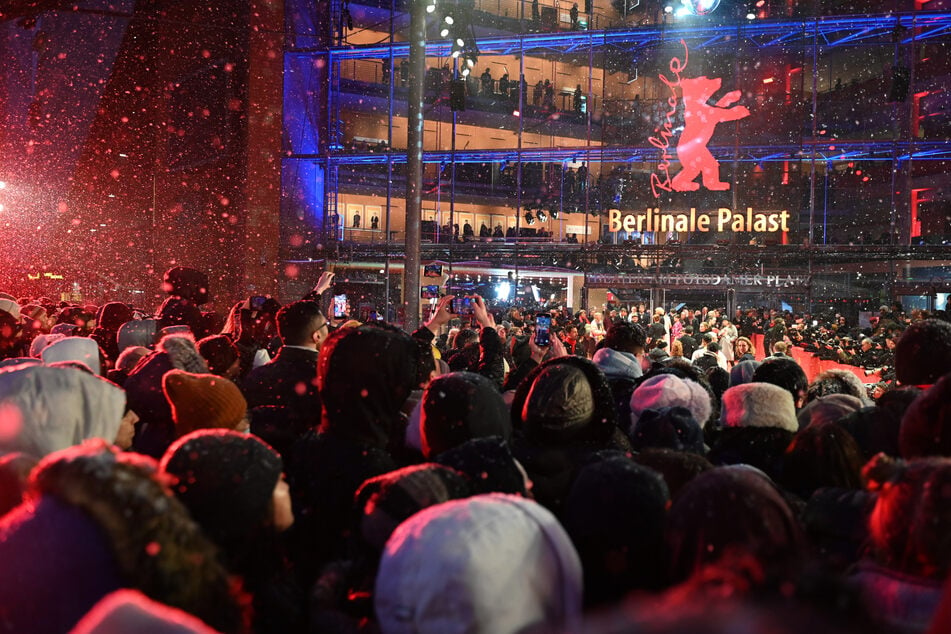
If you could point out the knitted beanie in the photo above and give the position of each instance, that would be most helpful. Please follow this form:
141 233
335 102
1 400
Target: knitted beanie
667 390
201 401
387 500
225 478
758 405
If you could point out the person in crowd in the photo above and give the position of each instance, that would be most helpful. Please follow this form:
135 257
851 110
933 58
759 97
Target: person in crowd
563 413
204 401
364 376
289 381
458 407
615 515
445 569
758 421
221 355
687 341
187 289
667 389
109 319
143 386
233 485
126 362
98 520
621 359
46 409
902 575
785 373
923 354
743 350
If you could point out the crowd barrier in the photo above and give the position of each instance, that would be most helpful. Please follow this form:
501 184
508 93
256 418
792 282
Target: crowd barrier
812 365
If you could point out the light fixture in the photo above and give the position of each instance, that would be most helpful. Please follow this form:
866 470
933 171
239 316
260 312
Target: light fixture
465 72
444 32
430 8
542 216
448 19
529 218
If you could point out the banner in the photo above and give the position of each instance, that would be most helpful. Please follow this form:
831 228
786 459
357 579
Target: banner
699 281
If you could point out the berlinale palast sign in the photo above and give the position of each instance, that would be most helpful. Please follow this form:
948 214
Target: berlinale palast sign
693 96
789 282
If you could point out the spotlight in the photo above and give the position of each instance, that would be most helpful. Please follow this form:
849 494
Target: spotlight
455 54
470 62
430 8
460 41
751 16
465 72
444 32
449 20
553 213
668 9
542 216
529 218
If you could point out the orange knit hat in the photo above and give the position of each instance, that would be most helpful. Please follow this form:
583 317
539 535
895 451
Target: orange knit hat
203 401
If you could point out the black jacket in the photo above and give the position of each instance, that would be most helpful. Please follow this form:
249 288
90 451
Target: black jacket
290 381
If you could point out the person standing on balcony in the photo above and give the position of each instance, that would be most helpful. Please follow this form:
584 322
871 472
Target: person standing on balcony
574 16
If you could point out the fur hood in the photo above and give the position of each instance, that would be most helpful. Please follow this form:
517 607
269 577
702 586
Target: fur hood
183 354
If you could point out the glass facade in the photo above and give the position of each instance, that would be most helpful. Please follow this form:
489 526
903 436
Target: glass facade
816 125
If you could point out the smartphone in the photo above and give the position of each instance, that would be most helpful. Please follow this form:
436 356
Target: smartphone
340 306
429 292
256 302
542 330
462 306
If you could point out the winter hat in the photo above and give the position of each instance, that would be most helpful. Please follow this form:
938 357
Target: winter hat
387 500
926 426
667 390
659 355
41 341
560 398
137 333
11 307
490 563
81 349
203 401
667 428
742 372
187 283
758 405
460 406
828 409
226 479
219 351
15 361
489 464
112 315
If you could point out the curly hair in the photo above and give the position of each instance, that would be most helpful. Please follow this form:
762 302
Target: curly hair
159 549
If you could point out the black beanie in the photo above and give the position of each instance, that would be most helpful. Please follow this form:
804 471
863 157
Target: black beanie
490 465
926 427
460 406
667 428
225 478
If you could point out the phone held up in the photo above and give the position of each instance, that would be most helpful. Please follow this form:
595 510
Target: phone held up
542 330
462 306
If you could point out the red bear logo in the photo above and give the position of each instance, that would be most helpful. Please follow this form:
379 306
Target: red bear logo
700 119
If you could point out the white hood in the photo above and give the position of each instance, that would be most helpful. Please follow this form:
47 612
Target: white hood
44 409
491 563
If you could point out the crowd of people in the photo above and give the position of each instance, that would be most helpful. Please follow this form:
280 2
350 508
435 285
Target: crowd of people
277 470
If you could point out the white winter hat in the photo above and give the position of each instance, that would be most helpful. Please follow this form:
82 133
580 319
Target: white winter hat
758 405
668 390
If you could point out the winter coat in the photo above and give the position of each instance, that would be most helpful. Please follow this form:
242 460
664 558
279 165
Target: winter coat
58 408
553 453
365 375
289 381
156 428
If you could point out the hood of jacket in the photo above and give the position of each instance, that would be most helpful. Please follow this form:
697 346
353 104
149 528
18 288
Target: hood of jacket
364 376
490 563
112 315
458 407
45 409
617 364
549 427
